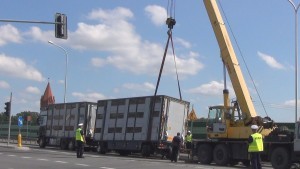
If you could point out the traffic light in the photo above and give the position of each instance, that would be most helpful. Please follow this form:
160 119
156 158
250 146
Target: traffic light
7 108
61 26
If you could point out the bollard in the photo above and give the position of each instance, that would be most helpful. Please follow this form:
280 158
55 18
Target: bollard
19 140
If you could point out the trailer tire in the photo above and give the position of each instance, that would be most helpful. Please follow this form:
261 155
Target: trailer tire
42 142
71 145
101 149
280 158
146 151
63 144
246 163
205 154
221 154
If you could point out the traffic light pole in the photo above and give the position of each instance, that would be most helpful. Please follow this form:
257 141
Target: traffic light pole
9 123
60 24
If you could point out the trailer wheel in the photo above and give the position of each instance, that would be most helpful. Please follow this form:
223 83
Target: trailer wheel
280 158
71 145
246 163
221 154
42 142
146 151
101 149
205 154
63 144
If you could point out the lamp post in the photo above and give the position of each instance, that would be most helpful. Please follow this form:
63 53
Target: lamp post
296 56
66 71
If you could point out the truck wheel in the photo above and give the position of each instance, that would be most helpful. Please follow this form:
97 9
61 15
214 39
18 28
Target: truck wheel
280 158
221 154
205 154
42 142
146 151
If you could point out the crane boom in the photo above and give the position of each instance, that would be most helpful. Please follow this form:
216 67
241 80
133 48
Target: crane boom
230 60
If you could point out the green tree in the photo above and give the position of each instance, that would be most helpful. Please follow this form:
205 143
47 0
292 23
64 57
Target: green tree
25 114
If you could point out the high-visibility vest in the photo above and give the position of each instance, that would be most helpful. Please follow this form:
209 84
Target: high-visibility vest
78 135
257 143
188 138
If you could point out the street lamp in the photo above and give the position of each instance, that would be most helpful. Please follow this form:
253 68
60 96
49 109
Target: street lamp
66 53
296 56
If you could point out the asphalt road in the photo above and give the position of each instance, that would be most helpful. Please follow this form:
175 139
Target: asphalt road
51 158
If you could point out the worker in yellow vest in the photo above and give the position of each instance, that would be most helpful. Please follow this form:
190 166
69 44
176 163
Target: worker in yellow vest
188 140
80 140
256 146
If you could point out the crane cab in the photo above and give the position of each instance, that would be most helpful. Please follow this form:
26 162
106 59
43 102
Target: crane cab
226 123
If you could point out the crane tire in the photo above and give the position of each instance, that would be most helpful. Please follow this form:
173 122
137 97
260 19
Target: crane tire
221 155
205 154
280 158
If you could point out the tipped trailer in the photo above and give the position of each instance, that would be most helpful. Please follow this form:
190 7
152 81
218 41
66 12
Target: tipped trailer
58 123
135 125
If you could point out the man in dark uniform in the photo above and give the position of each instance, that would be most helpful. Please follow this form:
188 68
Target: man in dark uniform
176 142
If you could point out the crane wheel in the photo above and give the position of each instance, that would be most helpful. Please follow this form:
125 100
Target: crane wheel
221 154
280 158
205 154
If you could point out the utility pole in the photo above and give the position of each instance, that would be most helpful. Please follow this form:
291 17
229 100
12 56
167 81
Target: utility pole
9 123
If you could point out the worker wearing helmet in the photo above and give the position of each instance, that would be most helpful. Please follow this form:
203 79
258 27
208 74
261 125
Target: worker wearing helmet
80 140
188 140
255 147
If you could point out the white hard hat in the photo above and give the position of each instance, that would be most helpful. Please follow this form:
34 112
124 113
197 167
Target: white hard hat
254 127
80 124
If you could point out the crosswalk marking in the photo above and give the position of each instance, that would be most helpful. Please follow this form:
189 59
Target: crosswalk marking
42 159
106 168
64 162
11 155
85 165
26 157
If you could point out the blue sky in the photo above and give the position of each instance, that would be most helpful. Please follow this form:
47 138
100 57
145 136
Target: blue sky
115 50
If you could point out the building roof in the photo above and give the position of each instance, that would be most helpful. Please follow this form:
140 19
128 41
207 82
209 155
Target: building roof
48 97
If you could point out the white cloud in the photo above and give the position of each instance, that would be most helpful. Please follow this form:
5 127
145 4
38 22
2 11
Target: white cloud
182 42
98 62
9 34
157 14
61 81
11 66
91 97
33 90
270 61
141 87
125 49
4 84
213 88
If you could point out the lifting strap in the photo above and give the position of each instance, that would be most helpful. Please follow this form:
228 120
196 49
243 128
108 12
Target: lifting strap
170 22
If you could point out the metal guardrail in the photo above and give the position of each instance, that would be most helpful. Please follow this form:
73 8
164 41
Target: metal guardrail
28 132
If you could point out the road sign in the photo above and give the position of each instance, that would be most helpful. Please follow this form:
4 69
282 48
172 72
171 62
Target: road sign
20 121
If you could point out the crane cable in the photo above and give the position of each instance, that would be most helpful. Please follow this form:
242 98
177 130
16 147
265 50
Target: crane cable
170 22
248 71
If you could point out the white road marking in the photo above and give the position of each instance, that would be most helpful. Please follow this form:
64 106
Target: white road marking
85 165
11 155
26 157
107 168
42 159
64 162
